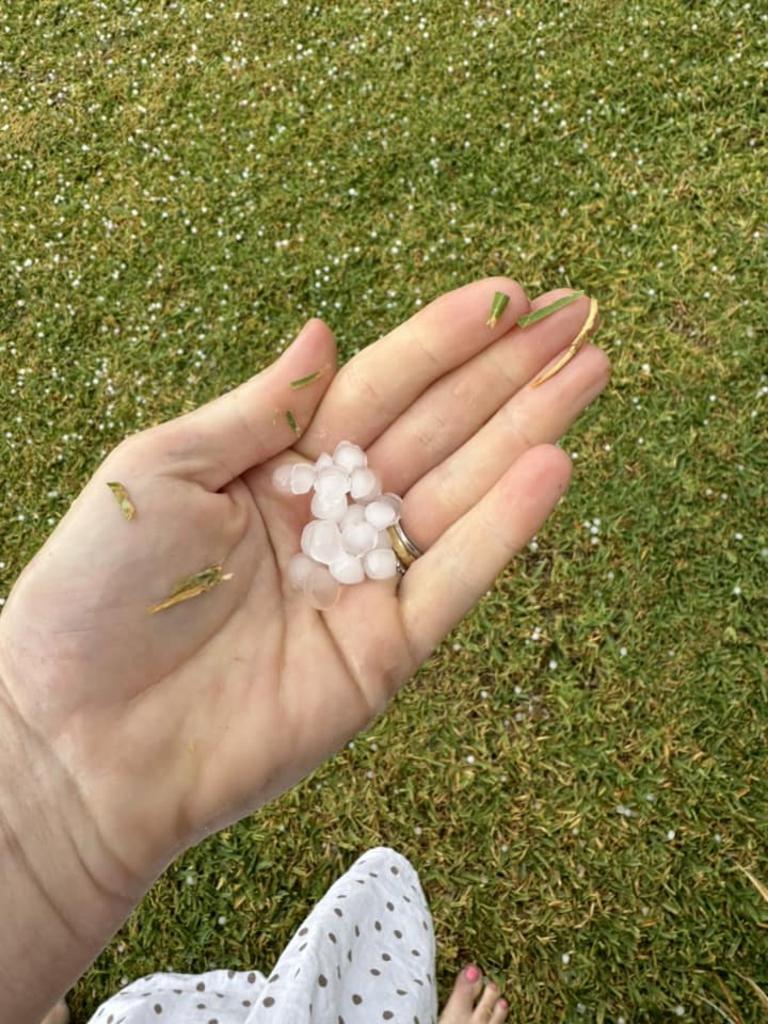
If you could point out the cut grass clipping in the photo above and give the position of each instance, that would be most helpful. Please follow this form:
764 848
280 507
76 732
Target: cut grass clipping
304 382
498 305
589 327
539 314
292 422
125 503
192 586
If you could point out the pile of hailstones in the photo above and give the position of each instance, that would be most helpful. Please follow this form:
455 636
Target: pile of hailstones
344 543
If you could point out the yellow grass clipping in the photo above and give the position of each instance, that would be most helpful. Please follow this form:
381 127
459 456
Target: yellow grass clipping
125 503
590 326
192 586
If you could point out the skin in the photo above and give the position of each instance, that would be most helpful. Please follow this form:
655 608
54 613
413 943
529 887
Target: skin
127 737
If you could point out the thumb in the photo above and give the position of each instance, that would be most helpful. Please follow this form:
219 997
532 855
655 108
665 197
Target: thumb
257 419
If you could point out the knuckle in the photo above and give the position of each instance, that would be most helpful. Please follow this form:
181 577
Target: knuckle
130 445
512 417
358 386
452 493
429 433
136 448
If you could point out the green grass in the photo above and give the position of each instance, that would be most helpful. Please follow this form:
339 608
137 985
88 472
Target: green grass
182 185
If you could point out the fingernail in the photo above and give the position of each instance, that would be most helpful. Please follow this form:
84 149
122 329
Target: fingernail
472 973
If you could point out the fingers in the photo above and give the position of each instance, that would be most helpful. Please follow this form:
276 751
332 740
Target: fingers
450 412
531 417
446 582
244 427
383 380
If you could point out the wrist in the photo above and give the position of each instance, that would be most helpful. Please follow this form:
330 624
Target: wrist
62 892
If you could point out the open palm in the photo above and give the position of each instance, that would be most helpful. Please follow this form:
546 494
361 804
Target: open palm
177 723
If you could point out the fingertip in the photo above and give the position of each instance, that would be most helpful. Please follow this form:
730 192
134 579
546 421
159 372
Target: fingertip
317 336
546 461
458 313
546 298
561 459
502 281
603 367
316 323
308 364
536 481
519 300
561 467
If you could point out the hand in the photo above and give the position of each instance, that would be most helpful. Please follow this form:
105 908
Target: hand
174 724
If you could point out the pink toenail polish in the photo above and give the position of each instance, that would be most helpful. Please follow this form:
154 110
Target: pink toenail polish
472 973
503 1004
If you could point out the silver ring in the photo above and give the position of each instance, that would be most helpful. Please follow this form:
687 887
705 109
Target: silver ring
408 544
406 552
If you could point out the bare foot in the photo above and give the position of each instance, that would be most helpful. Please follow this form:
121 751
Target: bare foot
58 1015
473 1002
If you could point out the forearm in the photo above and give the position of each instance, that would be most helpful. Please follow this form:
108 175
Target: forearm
62 896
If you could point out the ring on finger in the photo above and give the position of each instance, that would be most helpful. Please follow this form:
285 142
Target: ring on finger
406 551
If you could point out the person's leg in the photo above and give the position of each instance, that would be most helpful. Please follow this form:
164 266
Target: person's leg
366 953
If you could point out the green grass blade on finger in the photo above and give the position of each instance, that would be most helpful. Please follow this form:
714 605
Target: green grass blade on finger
498 305
539 314
292 422
304 382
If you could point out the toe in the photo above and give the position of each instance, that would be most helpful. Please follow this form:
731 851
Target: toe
499 1013
486 1003
467 988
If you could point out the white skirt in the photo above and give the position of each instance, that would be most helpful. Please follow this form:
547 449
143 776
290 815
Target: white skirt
366 953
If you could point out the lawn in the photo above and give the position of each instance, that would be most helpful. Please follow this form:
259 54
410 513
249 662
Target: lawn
579 774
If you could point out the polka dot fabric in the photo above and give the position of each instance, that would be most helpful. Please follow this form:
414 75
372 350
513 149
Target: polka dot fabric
366 953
